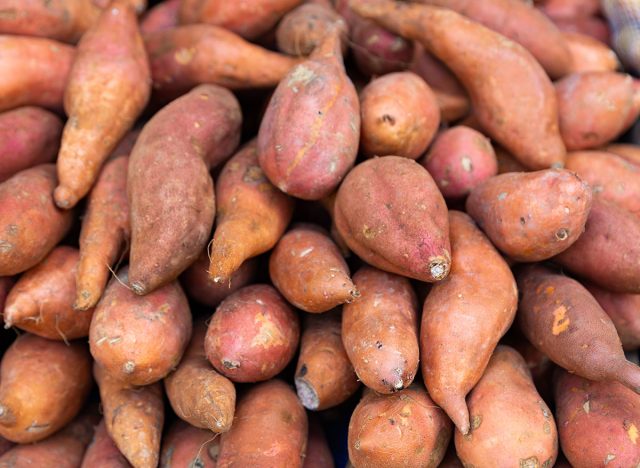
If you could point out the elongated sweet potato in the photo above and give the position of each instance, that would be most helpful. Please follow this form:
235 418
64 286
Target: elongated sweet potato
108 87
126 329
505 397
250 209
560 318
43 386
270 429
390 213
380 331
188 446
253 334
464 317
197 393
627 151
103 451
589 54
303 28
30 223
404 429
170 191
318 453
162 16
517 106
622 309
531 216
309 270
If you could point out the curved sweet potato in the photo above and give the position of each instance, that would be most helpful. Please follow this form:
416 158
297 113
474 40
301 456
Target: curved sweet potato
303 28
589 54
188 446
622 309
103 451
162 16
627 151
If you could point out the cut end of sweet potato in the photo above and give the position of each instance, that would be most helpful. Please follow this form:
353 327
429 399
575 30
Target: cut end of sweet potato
85 300
307 394
7 418
64 197
439 267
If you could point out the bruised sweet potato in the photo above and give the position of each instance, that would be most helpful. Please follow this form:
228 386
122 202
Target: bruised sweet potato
589 54
318 453
303 28
30 223
505 406
627 151
380 331
464 317
404 429
162 16
622 309
188 446
252 335
517 106
126 330
531 216
28 136
390 213
270 429
103 452
43 385
171 196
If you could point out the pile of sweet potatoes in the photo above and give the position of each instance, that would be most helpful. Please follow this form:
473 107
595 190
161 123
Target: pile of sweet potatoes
284 233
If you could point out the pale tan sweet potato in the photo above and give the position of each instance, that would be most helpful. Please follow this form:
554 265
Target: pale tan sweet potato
303 28
162 16
622 309
103 452
188 446
590 54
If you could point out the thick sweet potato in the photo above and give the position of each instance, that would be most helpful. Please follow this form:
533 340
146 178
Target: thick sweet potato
627 151
531 216
303 28
126 330
252 335
170 191
318 452
103 452
460 159
188 446
30 223
589 54
324 374
270 429
43 385
560 318
464 317
404 429
380 331
162 16
622 309
505 406
517 106
390 213
309 270
250 209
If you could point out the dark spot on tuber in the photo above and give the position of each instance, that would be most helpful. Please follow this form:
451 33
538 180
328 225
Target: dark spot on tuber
562 234
378 345
303 371
392 421
386 118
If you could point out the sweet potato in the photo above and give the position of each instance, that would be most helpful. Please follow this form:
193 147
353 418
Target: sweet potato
597 421
460 159
400 116
162 16
531 216
380 331
105 232
560 318
171 196
270 429
324 374
464 317
197 393
622 309
309 270
607 253
308 138
376 50
506 162
570 8
188 446
404 429
126 329
627 151
303 28
43 386
517 106
390 213
589 54
30 223
253 334
592 26
505 406
134 417
6 283
318 453
251 209
28 136
103 451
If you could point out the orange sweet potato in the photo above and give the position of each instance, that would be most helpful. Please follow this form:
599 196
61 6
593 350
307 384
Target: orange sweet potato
126 329
188 446
464 317
43 386
517 106
303 28
270 429
103 452
404 429
622 309
589 54
30 223
318 452
506 397
162 16
627 151
380 331
253 334
171 197
390 213
531 216
250 208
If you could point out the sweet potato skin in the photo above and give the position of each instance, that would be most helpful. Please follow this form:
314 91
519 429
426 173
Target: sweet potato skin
103 451
378 51
318 453
303 28
622 309
162 16
629 152
506 162
187 446
6 283
30 223
589 54
390 213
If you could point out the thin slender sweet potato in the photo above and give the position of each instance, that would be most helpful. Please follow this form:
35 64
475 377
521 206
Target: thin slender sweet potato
109 86
627 151
171 196
589 54
188 446
126 329
162 16
30 223
251 209
43 385
318 453
103 452
464 317
622 309
303 28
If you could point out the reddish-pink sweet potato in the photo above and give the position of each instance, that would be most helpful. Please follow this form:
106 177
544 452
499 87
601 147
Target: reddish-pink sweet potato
318 453
103 452
303 28
627 151
162 16
623 310
593 26
188 446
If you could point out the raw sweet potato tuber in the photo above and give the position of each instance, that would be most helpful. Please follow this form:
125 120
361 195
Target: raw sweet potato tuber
589 54
303 28
6 283
622 309
318 452
627 151
188 446
162 16
592 26
506 162
103 452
